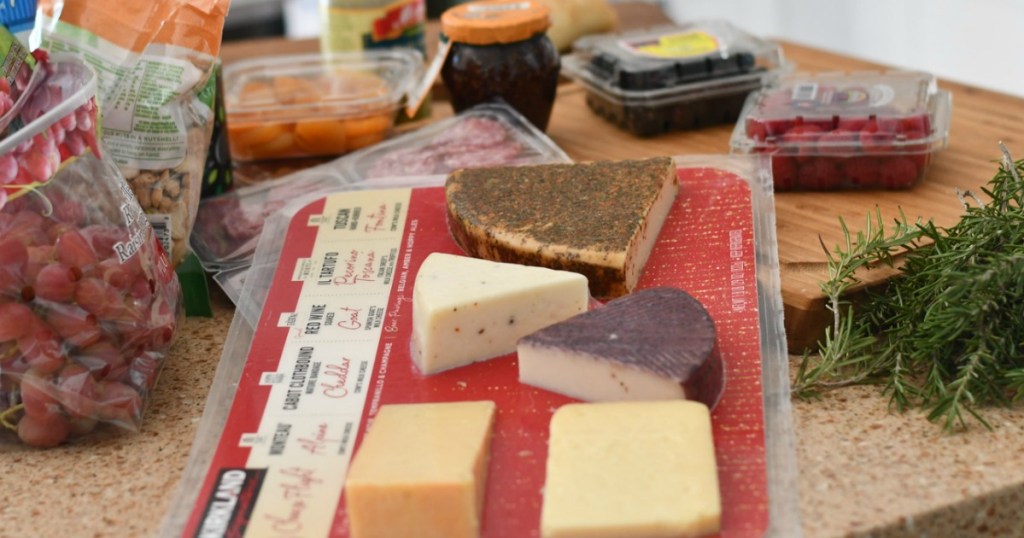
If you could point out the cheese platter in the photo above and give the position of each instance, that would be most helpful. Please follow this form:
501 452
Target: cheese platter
321 344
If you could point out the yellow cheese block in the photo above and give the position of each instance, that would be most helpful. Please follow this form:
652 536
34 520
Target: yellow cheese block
631 470
421 471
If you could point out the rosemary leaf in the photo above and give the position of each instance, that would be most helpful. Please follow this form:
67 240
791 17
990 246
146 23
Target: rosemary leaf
947 334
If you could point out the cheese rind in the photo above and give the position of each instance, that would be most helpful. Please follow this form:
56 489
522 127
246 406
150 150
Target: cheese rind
655 344
631 469
467 310
421 471
599 219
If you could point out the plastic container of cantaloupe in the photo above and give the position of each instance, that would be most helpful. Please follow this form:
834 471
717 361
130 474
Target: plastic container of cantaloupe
312 105
321 341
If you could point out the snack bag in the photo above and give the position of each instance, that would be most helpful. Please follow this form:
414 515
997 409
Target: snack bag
156 88
88 302
18 75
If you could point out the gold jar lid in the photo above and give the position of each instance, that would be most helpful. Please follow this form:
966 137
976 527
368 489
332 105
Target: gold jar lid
487 22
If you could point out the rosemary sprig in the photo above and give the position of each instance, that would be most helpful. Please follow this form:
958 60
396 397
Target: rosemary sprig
947 334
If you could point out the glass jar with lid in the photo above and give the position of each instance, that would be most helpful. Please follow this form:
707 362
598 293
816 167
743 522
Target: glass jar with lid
499 50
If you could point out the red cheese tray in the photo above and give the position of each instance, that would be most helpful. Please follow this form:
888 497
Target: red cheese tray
296 389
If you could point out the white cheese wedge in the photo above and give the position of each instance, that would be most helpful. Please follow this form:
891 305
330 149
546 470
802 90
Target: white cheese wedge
631 469
421 472
467 310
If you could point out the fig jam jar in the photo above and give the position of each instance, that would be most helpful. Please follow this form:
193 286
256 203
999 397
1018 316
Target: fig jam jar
499 50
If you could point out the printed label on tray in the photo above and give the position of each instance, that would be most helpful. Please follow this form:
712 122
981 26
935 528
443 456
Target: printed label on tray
332 347
683 45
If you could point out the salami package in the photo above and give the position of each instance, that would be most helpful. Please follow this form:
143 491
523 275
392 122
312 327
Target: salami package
89 304
156 63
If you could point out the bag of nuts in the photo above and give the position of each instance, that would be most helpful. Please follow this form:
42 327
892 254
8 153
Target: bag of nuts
156 63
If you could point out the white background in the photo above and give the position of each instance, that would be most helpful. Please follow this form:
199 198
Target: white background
974 41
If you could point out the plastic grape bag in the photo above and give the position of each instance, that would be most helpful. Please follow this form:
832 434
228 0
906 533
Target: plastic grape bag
89 304
156 63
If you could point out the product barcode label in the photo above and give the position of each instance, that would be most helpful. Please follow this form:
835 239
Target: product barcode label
162 228
805 92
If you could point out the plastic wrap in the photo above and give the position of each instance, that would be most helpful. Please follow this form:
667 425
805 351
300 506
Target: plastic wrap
835 131
89 305
156 89
487 135
776 462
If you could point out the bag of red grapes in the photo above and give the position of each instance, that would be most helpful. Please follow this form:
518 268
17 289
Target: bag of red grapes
89 304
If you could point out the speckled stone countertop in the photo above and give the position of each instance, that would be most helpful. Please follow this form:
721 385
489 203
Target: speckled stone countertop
863 471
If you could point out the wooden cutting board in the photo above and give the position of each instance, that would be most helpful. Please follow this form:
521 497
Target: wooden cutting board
980 120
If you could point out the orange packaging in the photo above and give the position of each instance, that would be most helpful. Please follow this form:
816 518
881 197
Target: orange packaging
156 62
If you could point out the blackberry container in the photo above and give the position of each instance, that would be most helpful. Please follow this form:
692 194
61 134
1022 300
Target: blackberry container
672 78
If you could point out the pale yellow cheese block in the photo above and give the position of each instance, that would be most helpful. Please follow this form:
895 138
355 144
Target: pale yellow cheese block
421 471
631 470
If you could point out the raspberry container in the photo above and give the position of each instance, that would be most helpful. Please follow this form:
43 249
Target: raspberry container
313 105
877 130
672 78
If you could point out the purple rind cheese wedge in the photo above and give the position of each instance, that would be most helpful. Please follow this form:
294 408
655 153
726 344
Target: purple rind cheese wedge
654 344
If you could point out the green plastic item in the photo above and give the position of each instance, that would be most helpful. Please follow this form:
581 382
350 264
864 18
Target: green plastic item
194 287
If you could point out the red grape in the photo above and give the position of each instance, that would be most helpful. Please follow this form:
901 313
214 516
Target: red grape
38 394
100 358
100 298
41 348
57 282
73 249
77 327
15 321
43 433
118 403
77 391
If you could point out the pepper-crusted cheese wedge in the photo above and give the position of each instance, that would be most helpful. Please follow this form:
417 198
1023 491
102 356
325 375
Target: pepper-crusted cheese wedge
467 310
631 469
421 472
599 219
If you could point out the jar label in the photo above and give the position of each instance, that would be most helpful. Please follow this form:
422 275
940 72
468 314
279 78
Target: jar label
682 45
399 24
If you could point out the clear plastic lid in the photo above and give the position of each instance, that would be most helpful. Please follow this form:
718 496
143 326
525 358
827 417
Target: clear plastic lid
840 113
492 134
672 59
314 85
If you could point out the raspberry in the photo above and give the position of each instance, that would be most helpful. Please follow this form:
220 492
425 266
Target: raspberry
837 142
862 172
756 130
898 173
783 172
874 139
819 174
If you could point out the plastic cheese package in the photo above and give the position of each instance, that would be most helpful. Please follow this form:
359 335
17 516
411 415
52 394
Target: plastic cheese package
490 134
89 305
156 86
323 331
228 226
